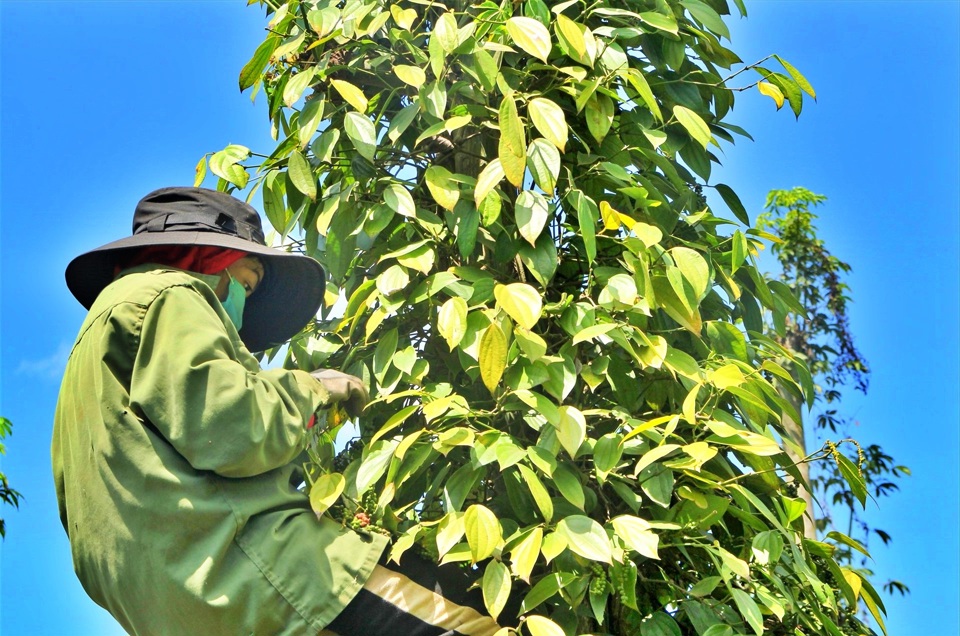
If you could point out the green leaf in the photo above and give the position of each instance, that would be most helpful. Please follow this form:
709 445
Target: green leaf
402 121
639 84
301 175
660 21
706 15
599 115
394 279
325 491
547 587
607 452
748 609
351 94
374 464
521 302
512 149
496 587
452 321
659 624
543 160
586 537
445 30
323 21
483 532
492 356
468 223
767 547
252 71
362 134
657 483
532 211
434 100
637 535
531 36
842 538
571 429
541 259
797 77
399 200
693 268
549 120
224 164
854 477
532 345
296 85
420 258
412 75
693 123
442 186
587 215
569 485
733 202
538 491
310 118
486 68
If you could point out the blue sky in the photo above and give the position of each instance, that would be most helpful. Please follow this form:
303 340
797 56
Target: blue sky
101 102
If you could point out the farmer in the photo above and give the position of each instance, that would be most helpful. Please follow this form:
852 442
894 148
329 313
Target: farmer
175 456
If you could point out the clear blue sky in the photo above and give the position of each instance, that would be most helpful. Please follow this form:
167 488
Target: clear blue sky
104 101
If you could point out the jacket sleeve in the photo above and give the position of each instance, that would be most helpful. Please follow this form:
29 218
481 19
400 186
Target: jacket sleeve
208 396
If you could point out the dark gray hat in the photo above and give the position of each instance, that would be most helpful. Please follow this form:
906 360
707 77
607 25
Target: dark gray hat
286 299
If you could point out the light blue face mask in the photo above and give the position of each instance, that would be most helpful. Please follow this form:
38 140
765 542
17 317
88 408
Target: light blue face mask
236 299
236 296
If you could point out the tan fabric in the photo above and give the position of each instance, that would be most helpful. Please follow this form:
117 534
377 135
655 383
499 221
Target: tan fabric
428 606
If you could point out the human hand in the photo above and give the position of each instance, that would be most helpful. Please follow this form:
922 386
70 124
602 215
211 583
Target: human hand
344 388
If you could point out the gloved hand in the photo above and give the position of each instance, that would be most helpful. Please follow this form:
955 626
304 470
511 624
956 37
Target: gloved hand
344 388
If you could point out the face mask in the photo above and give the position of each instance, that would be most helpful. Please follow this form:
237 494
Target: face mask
236 299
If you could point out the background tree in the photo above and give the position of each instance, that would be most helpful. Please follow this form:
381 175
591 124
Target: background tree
822 337
573 379
8 495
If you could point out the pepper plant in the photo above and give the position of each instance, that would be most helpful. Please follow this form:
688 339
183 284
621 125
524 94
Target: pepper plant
574 389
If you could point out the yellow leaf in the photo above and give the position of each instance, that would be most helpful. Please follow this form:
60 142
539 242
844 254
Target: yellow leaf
521 302
353 95
403 17
771 91
726 376
452 321
487 180
512 147
412 75
492 356
540 626
531 36
443 188
483 531
524 554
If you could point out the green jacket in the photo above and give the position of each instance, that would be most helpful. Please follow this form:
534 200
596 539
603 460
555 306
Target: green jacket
173 457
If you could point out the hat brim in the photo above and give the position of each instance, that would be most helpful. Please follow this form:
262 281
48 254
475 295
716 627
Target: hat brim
285 300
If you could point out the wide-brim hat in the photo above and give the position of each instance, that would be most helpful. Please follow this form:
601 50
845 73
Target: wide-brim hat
285 300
